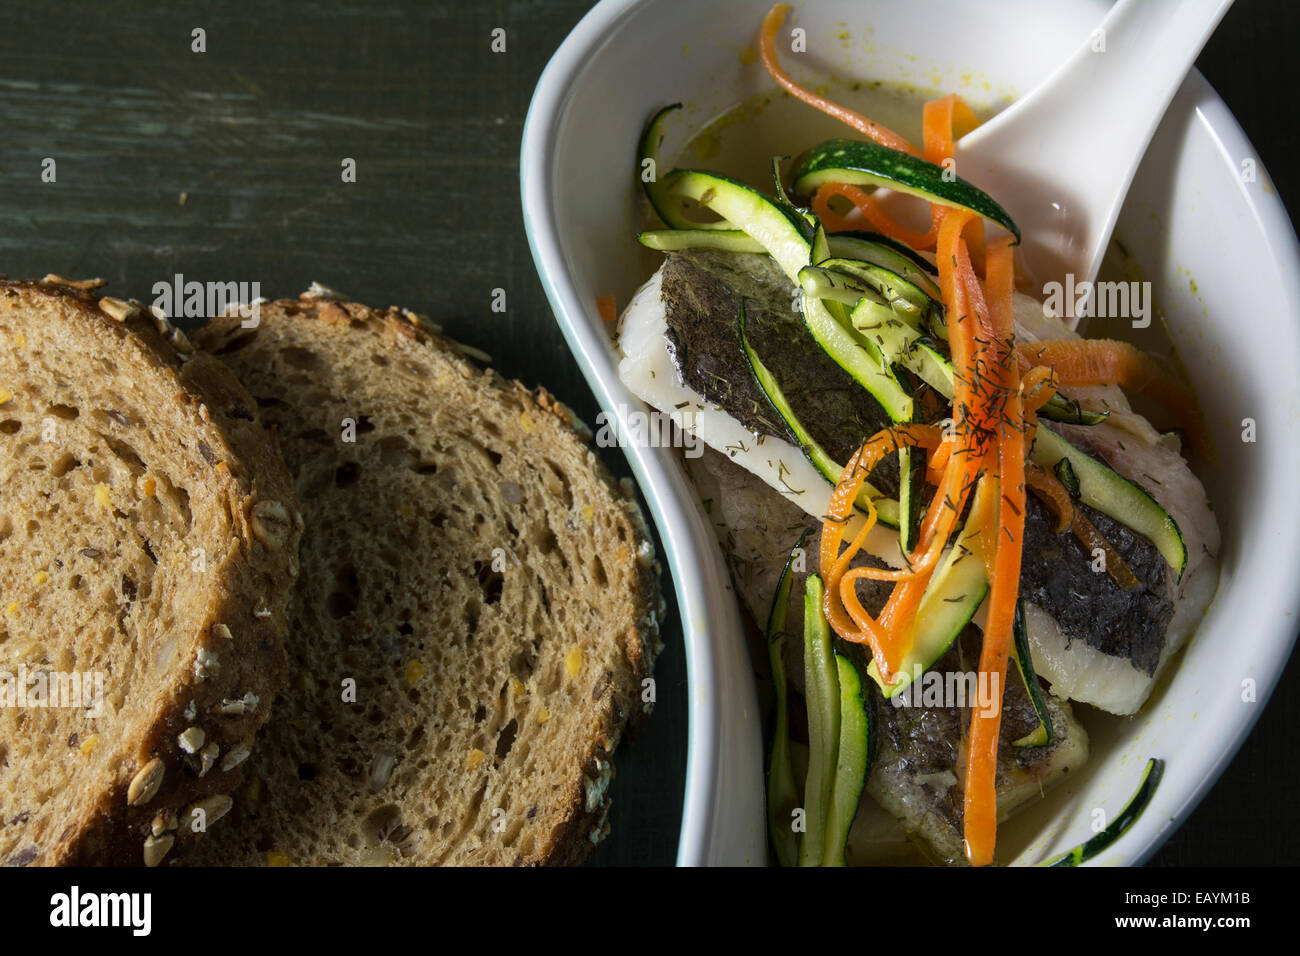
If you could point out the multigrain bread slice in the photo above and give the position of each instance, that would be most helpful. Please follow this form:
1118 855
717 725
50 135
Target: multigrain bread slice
148 537
476 616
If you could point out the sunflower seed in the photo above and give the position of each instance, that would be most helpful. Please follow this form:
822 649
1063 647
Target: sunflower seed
235 756
236 708
144 785
84 284
157 847
205 664
270 522
207 811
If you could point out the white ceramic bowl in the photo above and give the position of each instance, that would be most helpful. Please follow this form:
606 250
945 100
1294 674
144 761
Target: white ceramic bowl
1191 215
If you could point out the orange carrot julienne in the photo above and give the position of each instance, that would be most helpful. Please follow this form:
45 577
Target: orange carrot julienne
937 463
1086 362
607 306
1103 362
1117 568
899 613
767 51
1049 488
1037 385
881 221
980 812
860 628
943 121
940 120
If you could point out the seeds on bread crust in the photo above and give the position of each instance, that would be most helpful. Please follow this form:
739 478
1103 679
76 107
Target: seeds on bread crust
118 308
235 756
271 524
157 847
202 814
144 785
191 739
102 399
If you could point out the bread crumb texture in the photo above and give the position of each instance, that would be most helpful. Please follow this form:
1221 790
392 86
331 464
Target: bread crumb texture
125 556
475 618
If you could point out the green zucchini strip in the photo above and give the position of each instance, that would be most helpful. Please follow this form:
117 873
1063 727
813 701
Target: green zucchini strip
1112 494
648 152
674 240
1155 768
1044 733
906 298
782 791
852 762
822 696
890 254
869 164
783 234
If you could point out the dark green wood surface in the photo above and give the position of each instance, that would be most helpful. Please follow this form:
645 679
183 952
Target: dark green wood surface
225 165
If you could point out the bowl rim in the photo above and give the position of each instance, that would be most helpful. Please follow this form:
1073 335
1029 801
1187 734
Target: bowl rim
1275 225
703 769
541 126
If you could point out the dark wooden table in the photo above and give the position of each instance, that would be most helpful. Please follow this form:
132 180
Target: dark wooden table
226 165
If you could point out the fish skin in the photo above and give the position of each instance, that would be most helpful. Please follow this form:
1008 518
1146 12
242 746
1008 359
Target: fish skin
1057 575
703 290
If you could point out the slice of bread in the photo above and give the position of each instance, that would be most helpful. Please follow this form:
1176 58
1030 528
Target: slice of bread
148 537
477 611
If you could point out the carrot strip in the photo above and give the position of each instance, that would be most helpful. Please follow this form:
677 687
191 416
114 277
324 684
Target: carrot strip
1083 362
937 463
1086 362
860 628
1037 386
1092 539
1053 494
767 51
980 814
607 306
939 122
960 331
1069 518
943 121
881 221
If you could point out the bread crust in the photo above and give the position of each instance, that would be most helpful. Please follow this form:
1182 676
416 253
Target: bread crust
243 623
581 807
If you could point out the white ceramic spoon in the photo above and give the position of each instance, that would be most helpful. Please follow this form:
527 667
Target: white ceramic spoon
1061 158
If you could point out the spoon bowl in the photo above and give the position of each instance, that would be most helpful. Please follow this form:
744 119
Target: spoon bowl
1062 157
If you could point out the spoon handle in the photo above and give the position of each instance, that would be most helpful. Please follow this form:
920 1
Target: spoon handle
1077 138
